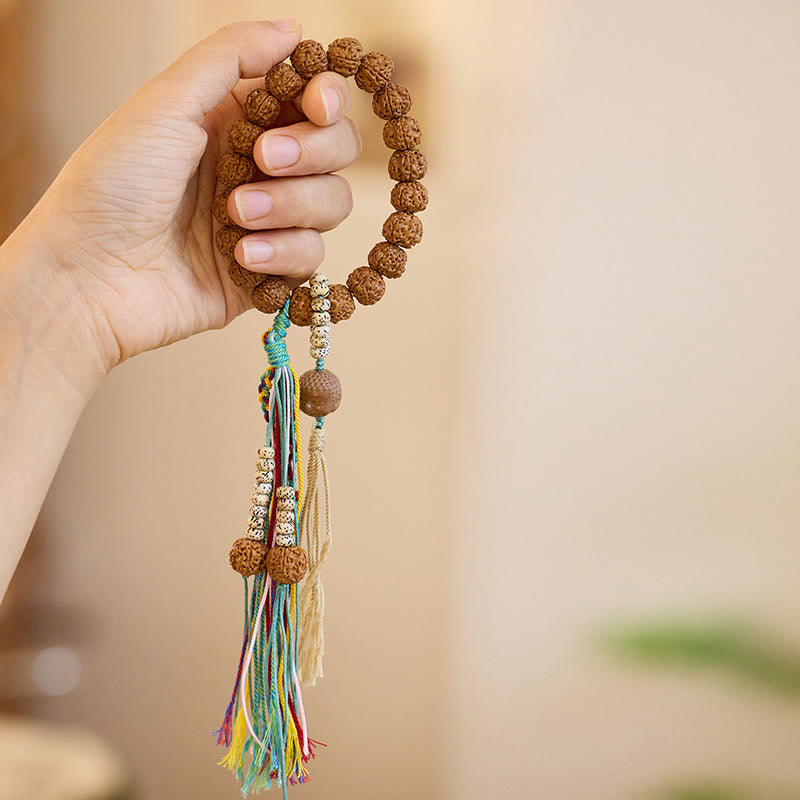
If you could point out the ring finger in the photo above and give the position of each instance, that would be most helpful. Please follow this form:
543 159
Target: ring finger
293 253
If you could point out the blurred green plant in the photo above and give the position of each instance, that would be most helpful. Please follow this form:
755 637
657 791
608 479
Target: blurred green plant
702 791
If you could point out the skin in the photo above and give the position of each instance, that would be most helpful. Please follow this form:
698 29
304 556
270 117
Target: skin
118 256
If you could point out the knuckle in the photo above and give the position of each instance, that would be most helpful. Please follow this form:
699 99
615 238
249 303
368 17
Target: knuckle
354 138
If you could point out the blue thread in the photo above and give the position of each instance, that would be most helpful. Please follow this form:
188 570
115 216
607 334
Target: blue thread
320 364
320 422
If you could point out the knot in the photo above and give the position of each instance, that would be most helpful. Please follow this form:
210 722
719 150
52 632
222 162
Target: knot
274 339
316 441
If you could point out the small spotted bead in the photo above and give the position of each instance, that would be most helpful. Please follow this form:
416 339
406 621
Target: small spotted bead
285 504
264 487
283 82
285 492
266 452
264 477
284 527
324 330
258 499
320 304
375 71
219 208
261 108
265 465
258 511
233 170
319 289
285 516
256 523
320 340
320 318
285 540
255 533
320 352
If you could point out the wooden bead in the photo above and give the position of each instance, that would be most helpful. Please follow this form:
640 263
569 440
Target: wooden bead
234 169
261 107
242 136
270 295
248 556
402 229
374 72
402 133
388 259
344 56
366 285
219 208
342 304
410 196
309 59
320 392
283 82
407 165
287 564
393 100
227 237
300 306
244 278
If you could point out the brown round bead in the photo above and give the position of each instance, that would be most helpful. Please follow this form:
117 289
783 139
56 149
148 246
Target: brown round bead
219 208
233 170
342 304
411 196
261 108
287 564
320 392
393 100
388 259
227 237
309 59
375 71
402 133
407 165
402 229
244 278
270 295
300 306
283 81
366 285
344 56
242 136
248 556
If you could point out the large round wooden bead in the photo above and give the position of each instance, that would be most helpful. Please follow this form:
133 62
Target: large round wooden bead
270 295
392 100
366 285
402 133
300 306
344 56
309 59
234 169
410 196
219 208
407 165
402 229
287 564
261 107
248 556
243 134
244 278
375 71
227 237
388 259
283 82
342 304
320 392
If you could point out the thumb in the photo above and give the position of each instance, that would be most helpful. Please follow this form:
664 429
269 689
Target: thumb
204 75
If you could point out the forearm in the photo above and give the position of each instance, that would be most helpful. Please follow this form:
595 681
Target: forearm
48 371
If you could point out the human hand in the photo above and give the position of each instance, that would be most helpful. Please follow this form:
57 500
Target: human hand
128 220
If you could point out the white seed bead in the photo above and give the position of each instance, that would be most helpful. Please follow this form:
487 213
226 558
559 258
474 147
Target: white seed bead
255 533
285 491
320 318
284 540
259 499
325 330
318 277
256 522
320 340
286 504
285 516
264 477
258 511
265 465
320 304
266 452
284 527
264 488
320 352
319 290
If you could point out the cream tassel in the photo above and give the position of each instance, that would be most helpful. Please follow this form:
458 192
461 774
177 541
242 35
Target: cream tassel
315 534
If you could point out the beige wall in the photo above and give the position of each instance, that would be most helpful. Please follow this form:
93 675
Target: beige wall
580 404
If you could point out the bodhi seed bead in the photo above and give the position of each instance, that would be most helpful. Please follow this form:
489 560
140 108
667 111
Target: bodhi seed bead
285 540
309 59
261 107
320 318
219 208
344 56
285 516
283 82
266 452
284 527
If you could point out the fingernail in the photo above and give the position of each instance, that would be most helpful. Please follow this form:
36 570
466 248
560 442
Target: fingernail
332 101
285 25
280 151
252 204
257 252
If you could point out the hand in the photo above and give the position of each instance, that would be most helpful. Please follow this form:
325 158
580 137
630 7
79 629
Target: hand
128 219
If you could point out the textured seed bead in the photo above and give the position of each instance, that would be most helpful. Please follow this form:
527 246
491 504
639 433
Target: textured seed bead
388 259
375 71
283 82
258 511
248 557
410 196
227 237
320 392
367 285
407 165
319 286
266 465
321 330
285 540
270 295
259 499
285 504
219 208
402 133
320 304
309 58
285 516
319 352
267 452
243 134
285 492
256 521
344 56
264 488
244 278
261 108
255 533
300 306
403 229
284 527
286 564
392 100
320 339
264 476
233 170
342 303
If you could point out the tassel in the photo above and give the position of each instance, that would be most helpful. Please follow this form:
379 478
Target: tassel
315 535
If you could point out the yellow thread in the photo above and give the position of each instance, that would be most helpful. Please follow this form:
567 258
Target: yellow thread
231 760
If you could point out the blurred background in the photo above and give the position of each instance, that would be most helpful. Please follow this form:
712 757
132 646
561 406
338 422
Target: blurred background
566 471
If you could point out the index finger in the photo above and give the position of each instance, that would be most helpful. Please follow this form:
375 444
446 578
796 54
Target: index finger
325 99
